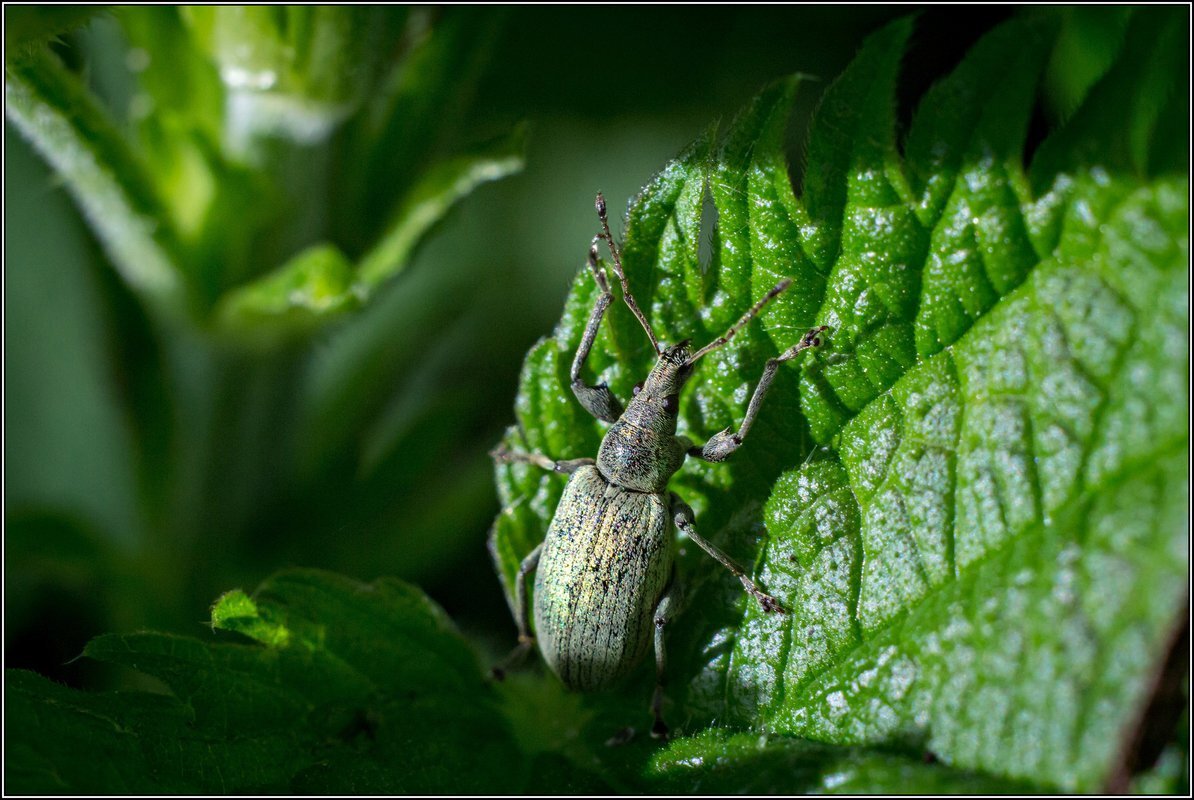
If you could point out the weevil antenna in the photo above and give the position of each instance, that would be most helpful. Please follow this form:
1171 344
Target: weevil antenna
617 256
775 292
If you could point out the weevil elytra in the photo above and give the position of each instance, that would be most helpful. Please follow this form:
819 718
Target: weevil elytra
606 585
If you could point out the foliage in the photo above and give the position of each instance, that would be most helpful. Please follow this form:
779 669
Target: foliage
976 506
340 689
972 498
258 178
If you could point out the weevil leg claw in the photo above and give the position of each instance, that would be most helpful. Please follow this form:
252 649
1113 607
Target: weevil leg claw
621 737
525 643
771 605
660 730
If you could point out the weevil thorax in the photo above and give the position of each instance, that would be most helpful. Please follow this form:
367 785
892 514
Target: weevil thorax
641 452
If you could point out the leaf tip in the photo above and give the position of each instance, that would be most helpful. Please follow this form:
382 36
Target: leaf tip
236 611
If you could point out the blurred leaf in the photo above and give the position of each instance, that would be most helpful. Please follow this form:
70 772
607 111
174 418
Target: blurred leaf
313 286
232 172
1087 46
1171 773
178 115
362 687
984 554
53 110
58 574
1121 122
406 123
27 28
179 83
63 417
320 53
236 611
294 72
433 196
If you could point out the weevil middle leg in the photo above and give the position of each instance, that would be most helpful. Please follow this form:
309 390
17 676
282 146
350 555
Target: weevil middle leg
522 616
686 522
663 611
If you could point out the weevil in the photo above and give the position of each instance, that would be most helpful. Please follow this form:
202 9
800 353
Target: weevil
605 587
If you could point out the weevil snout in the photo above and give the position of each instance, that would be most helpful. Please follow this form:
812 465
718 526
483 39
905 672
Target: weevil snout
678 353
668 376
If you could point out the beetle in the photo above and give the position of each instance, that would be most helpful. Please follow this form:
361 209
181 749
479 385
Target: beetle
605 586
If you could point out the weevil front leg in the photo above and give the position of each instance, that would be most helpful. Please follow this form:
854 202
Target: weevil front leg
521 615
566 466
597 400
725 442
667 606
686 522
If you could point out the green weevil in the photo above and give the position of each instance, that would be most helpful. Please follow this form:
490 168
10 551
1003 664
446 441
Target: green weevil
606 585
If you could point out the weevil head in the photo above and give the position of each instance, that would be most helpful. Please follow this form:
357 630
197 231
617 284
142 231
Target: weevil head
656 400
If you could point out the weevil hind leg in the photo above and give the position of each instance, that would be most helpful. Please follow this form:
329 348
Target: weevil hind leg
513 659
664 609
522 616
686 521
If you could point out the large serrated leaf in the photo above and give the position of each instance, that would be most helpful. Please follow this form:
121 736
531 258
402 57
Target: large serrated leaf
986 551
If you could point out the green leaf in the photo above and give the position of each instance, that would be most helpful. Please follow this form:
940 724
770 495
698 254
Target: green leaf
229 167
440 188
179 118
366 688
52 109
717 762
294 71
27 28
315 285
1121 122
985 549
180 84
1087 46
408 121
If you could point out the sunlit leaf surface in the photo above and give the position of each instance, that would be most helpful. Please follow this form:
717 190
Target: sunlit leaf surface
974 502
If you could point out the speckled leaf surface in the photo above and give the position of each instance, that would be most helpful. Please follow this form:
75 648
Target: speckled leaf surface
974 497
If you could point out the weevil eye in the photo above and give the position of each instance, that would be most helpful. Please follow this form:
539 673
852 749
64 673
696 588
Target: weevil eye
671 404
638 387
